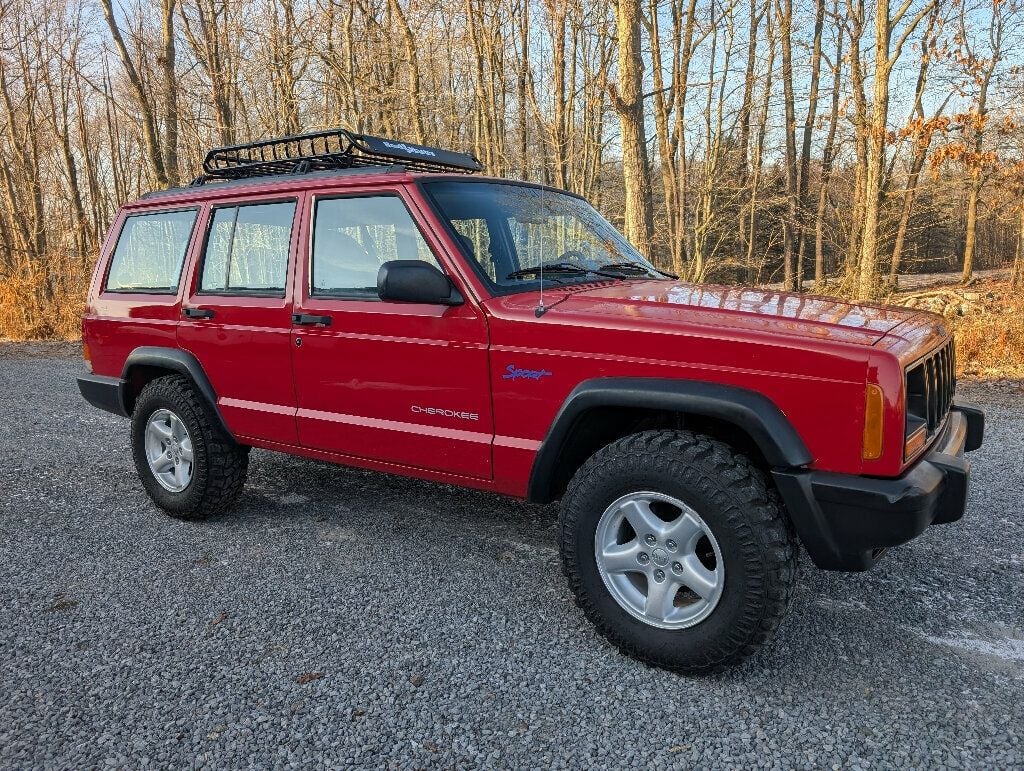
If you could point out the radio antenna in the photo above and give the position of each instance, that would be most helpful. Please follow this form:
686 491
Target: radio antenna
541 308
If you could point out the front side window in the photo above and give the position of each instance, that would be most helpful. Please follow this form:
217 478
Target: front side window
247 249
353 237
508 230
150 252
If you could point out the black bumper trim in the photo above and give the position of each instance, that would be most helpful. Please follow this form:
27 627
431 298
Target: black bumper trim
107 393
846 521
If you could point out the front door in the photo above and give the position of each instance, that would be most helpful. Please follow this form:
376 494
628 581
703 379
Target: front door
403 383
236 315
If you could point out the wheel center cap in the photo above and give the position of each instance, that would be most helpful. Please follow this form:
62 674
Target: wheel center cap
660 557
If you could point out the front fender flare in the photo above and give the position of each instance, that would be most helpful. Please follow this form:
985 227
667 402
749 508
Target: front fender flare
750 411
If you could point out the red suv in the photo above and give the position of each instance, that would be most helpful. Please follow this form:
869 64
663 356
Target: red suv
374 304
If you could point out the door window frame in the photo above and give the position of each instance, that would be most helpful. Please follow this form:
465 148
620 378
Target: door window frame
276 294
308 294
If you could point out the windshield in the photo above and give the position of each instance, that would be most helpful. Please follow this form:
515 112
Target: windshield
508 230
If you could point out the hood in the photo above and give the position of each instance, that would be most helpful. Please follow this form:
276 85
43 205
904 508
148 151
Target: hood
728 307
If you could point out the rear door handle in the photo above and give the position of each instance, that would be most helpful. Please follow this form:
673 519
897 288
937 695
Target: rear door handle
307 319
197 313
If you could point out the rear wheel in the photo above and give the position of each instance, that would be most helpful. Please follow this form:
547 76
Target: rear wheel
677 550
187 463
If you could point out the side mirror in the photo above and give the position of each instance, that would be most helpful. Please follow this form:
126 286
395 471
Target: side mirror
416 281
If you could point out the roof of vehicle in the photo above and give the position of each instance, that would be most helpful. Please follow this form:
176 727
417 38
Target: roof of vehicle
274 181
294 182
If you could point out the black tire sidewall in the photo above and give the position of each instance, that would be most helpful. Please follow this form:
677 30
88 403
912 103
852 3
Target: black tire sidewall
164 395
744 600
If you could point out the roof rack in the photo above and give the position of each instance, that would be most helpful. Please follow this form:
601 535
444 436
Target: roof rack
321 150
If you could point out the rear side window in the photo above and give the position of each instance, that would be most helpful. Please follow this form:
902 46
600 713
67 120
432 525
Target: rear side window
150 252
247 249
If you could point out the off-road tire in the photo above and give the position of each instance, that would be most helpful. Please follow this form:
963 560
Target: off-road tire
743 511
219 463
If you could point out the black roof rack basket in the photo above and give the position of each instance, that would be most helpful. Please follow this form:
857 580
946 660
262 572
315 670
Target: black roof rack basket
322 150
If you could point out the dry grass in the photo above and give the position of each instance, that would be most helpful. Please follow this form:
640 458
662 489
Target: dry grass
988 321
39 303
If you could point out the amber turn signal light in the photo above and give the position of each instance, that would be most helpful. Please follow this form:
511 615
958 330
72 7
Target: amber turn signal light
914 443
873 408
87 355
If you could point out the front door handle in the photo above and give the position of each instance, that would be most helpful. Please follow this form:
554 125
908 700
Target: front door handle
306 319
197 313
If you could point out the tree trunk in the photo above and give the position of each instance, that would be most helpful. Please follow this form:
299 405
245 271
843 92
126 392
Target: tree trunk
784 11
521 88
826 166
627 100
874 170
971 233
413 94
167 61
149 132
1017 274
803 183
666 152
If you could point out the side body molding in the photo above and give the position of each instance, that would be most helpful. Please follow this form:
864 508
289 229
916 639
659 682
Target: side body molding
175 360
748 410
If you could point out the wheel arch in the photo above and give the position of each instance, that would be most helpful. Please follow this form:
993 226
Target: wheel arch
147 363
600 411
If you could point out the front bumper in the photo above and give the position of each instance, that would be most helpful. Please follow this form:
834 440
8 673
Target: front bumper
845 522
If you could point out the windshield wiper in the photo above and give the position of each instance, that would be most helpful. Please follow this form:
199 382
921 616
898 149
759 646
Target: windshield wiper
557 267
636 267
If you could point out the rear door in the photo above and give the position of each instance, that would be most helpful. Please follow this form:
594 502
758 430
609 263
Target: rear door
403 383
236 314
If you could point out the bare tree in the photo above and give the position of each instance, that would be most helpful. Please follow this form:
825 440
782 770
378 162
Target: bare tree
133 69
627 99
980 68
888 24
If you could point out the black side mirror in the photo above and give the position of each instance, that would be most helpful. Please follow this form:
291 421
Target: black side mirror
415 281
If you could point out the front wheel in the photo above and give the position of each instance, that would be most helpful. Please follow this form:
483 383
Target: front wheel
677 550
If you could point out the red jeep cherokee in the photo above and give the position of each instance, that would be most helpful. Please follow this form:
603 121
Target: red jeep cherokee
370 303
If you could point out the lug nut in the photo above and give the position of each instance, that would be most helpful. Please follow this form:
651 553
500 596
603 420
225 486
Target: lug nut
671 544
651 539
659 575
677 568
643 558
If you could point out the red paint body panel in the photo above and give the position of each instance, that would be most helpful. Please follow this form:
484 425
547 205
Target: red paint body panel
375 382
246 347
391 386
116 323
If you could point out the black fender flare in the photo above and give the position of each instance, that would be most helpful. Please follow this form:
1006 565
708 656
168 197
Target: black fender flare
752 412
174 360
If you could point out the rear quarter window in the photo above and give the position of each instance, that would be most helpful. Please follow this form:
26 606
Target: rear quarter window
150 252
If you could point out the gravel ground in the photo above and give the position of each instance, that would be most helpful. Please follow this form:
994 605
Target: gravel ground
339 617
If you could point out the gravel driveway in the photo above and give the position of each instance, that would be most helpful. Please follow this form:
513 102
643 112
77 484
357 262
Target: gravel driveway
340 617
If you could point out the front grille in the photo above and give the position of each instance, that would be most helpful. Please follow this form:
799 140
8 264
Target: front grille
931 385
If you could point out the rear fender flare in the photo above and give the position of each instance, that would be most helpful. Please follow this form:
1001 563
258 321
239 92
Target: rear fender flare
174 360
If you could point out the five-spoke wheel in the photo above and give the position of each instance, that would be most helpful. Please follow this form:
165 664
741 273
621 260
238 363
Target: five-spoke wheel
677 550
659 560
169 450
